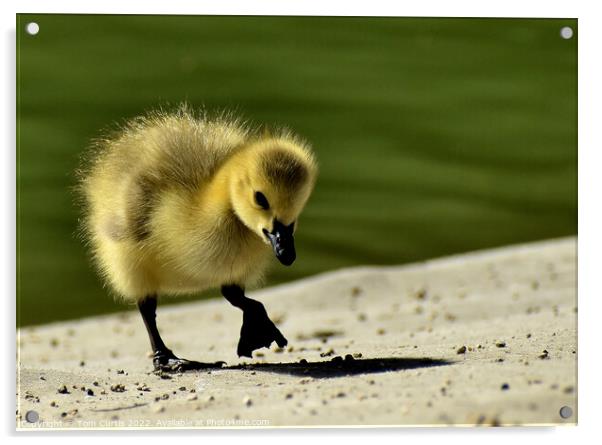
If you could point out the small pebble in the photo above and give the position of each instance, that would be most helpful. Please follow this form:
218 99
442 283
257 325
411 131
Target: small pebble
501 344
420 294
63 390
118 387
461 350
327 353
356 291
544 355
505 387
247 401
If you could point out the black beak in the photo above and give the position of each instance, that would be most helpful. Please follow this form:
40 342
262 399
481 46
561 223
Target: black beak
283 242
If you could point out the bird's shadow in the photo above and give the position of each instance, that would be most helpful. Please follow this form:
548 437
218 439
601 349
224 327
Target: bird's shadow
342 367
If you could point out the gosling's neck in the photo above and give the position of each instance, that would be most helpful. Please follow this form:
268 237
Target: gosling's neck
214 199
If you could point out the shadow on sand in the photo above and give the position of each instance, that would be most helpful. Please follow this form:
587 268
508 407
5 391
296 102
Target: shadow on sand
340 367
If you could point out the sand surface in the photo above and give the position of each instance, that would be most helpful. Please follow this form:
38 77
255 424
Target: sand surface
458 340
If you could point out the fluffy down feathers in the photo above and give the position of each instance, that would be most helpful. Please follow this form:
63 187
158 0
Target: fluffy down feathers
169 202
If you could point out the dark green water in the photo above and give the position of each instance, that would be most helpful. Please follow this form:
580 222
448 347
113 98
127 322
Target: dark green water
434 136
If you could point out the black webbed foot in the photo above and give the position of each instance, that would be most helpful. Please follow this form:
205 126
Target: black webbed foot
166 361
257 331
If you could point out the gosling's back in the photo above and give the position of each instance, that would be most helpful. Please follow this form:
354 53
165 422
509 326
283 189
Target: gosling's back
151 154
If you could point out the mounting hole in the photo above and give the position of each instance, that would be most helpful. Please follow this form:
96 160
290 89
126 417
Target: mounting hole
32 28
566 32
566 412
32 416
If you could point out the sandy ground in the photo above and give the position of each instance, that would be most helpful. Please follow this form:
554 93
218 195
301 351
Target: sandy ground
487 338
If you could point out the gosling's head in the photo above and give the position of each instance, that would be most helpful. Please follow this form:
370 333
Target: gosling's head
270 189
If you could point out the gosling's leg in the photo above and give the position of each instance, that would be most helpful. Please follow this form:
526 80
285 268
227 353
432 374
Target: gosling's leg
257 331
163 358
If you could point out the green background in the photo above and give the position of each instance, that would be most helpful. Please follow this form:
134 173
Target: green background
434 136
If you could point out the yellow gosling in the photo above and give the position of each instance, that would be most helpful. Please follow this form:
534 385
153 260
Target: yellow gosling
176 203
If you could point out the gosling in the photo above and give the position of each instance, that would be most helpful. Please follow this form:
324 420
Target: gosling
178 202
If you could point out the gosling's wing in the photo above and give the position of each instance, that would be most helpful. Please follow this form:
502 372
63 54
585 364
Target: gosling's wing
132 169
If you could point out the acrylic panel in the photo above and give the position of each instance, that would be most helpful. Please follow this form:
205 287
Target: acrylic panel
337 220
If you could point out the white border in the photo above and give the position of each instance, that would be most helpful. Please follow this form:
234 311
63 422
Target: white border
590 223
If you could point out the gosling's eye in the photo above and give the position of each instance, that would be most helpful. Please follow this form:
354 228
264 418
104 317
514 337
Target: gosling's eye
262 201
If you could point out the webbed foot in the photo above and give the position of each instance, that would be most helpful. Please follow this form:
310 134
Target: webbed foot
257 331
166 361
